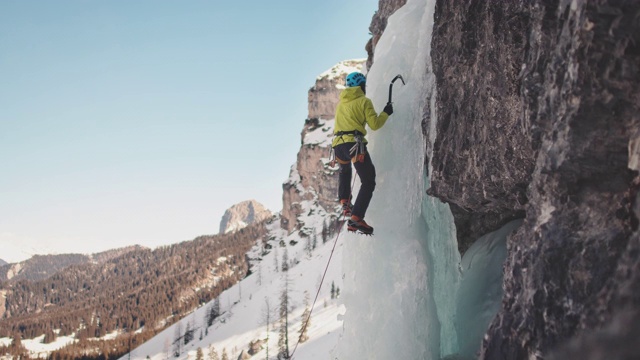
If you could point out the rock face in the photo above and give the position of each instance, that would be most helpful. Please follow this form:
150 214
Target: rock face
378 23
2 262
538 107
311 179
242 214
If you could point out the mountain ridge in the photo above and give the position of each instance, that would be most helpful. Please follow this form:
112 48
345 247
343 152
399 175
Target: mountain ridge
141 290
40 267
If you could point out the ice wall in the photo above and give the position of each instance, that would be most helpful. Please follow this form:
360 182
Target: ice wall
401 285
390 280
480 291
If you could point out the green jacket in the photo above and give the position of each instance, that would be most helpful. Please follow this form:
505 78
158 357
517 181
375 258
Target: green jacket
353 112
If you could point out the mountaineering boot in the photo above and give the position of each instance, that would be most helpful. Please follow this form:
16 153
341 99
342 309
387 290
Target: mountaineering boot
346 207
356 224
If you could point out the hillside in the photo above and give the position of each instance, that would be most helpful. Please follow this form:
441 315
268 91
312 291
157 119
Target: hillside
286 262
142 290
40 267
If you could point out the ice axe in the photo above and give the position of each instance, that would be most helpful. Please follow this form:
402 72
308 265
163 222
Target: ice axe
391 85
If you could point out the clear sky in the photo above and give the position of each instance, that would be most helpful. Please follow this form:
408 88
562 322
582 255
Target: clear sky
140 122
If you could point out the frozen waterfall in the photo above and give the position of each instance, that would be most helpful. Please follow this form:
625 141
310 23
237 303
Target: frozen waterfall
401 286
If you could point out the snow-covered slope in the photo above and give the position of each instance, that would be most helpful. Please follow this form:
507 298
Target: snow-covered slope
243 306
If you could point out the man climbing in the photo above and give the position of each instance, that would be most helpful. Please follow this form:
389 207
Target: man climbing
353 112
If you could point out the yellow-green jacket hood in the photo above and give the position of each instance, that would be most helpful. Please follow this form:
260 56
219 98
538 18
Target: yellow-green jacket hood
353 112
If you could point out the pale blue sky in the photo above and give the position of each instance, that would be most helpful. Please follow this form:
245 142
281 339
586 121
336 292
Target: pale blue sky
128 122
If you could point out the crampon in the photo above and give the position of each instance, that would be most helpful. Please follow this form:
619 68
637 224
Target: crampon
359 227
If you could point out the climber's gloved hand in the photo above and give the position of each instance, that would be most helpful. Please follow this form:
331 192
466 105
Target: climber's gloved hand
388 109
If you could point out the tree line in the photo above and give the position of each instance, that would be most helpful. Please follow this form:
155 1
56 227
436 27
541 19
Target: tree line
143 288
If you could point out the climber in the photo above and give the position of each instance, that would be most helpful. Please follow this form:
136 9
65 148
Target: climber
352 113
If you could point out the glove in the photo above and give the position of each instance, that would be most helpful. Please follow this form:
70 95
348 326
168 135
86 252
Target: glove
388 109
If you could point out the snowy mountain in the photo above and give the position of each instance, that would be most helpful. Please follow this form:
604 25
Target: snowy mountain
242 214
505 208
116 299
306 237
242 320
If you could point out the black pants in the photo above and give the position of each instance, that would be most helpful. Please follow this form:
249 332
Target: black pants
367 173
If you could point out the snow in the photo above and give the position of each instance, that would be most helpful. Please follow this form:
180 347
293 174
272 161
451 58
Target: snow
37 349
343 67
242 304
237 226
406 293
321 135
5 341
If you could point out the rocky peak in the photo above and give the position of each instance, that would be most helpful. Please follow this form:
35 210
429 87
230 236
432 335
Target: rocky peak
324 95
242 214
2 262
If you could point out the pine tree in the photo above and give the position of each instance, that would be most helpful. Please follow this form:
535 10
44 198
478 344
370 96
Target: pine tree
283 339
259 279
306 319
213 311
325 232
333 290
199 354
275 259
285 260
307 246
216 307
267 316
225 356
15 348
188 333
165 349
213 354
177 340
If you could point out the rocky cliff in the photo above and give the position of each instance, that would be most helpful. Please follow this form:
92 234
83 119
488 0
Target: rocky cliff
537 118
538 107
378 23
242 214
311 179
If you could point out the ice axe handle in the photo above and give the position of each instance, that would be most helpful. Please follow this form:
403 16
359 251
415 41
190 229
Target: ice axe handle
391 85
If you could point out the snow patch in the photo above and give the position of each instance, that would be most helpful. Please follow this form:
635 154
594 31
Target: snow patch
322 135
343 67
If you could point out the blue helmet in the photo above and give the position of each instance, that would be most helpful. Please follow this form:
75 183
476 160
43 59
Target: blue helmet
355 79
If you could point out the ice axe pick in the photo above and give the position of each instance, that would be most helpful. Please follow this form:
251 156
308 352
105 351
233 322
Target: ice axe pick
391 85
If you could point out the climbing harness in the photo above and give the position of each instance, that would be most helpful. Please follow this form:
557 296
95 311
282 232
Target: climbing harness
357 151
306 321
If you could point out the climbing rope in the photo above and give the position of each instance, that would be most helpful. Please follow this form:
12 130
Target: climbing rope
306 322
